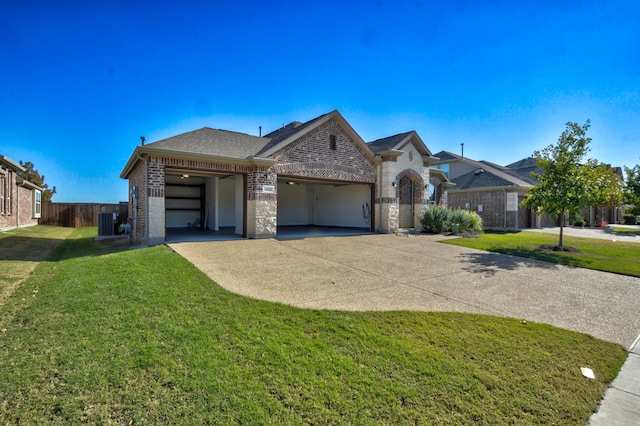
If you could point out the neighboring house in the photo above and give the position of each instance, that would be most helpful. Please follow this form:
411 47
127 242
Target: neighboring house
493 191
596 215
317 173
20 200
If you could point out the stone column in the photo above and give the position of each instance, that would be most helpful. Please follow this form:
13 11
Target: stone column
387 199
262 205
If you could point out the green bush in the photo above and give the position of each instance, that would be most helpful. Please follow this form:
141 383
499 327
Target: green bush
437 219
460 217
629 219
476 224
579 221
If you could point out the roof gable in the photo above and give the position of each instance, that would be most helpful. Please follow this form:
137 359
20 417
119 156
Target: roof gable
398 142
294 131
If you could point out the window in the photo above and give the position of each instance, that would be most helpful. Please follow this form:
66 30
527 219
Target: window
432 194
444 168
7 195
37 204
2 194
332 142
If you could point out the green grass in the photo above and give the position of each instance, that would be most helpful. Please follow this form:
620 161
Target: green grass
103 335
21 249
602 255
626 231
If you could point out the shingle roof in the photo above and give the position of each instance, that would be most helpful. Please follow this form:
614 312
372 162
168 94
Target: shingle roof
445 156
525 162
285 132
485 175
481 178
387 143
210 141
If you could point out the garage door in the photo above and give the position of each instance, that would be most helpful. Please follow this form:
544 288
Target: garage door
324 204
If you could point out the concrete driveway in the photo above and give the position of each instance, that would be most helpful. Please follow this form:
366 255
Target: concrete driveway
388 272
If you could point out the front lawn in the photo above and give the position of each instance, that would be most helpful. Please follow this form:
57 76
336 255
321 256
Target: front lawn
602 255
100 335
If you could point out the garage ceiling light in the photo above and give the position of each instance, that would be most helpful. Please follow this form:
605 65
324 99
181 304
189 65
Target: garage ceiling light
291 183
185 176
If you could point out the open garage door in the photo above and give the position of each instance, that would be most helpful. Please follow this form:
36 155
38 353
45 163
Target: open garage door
203 205
324 204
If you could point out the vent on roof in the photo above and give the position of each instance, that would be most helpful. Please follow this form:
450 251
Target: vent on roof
478 172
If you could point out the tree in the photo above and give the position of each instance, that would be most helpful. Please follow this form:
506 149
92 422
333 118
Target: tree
605 188
32 175
632 189
568 183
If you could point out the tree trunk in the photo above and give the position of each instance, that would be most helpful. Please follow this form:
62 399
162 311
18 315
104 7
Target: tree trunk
561 228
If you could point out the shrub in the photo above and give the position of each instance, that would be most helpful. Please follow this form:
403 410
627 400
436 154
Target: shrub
579 221
629 219
435 219
475 220
460 217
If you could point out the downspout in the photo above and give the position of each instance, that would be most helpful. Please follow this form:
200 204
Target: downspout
505 208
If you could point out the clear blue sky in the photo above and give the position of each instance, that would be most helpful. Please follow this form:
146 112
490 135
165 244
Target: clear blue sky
81 81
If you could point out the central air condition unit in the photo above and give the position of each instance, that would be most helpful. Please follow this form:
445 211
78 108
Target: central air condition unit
106 222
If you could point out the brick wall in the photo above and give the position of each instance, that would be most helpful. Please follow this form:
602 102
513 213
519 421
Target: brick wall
493 203
311 156
18 208
138 211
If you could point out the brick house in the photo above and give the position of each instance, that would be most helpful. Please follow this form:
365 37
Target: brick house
318 173
493 191
20 200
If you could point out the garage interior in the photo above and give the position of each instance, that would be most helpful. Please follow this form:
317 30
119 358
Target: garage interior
210 207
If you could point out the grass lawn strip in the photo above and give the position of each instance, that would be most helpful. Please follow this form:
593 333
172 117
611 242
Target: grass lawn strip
21 249
602 255
142 336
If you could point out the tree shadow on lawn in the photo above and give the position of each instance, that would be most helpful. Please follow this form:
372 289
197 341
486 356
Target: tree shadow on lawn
489 263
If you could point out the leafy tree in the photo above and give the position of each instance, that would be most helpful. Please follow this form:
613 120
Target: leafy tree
632 189
568 183
604 186
32 175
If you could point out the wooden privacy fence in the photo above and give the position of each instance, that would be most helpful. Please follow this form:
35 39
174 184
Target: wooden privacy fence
78 215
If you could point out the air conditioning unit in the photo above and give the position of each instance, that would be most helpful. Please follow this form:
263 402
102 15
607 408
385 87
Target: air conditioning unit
106 224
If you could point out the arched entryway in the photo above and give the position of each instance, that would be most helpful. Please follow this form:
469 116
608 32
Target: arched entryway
410 189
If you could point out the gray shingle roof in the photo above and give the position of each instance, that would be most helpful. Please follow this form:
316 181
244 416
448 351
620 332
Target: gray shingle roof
210 141
445 156
525 162
387 143
285 132
480 178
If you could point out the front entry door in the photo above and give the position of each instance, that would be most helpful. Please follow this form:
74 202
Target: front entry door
407 202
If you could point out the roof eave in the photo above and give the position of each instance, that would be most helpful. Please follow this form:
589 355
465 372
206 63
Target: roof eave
12 163
494 188
26 184
141 151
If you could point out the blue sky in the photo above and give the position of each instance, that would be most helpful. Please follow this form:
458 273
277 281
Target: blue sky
81 81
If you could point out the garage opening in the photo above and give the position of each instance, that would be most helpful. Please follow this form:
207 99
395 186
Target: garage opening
204 207
314 208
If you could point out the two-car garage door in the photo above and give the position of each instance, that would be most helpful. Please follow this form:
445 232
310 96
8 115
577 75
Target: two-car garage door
303 202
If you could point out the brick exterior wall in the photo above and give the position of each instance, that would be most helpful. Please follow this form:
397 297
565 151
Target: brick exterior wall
138 209
494 215
20 210
311 156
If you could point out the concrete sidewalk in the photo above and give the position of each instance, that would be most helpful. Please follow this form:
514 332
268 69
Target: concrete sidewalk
621 403
386 272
